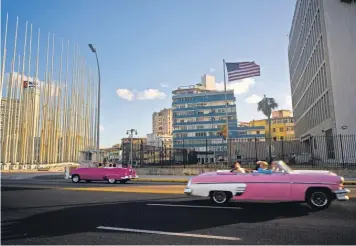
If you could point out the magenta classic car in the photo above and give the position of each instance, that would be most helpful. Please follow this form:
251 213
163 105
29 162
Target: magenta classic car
317 188
120 173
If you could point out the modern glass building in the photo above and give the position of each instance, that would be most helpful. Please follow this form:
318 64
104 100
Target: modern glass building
198 117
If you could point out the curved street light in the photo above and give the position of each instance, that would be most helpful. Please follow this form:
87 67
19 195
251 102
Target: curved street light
131 132
98 117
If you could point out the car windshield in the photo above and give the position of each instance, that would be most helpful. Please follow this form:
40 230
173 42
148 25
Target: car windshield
284 166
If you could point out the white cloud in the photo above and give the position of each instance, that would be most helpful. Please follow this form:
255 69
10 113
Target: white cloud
125 94
148 94
240 87
253 99
151 94
212 70
101 128
164 85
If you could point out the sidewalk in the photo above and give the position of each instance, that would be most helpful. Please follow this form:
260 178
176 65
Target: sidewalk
185 179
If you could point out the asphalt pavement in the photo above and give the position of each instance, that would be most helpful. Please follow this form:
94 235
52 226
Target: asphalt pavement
55 216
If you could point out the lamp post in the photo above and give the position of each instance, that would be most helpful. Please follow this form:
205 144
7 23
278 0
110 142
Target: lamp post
131 133
98 118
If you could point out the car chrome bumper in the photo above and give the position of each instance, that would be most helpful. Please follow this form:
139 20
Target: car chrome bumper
341 194
188 191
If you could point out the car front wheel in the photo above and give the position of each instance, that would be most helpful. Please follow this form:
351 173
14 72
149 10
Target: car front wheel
319 198
75 178
220 197
111 181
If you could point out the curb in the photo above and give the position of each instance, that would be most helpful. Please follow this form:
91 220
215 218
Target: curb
350 182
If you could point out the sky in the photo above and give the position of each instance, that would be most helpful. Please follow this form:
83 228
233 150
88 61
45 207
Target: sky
148 48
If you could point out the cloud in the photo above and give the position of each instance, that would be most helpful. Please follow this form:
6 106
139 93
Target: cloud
101 128
125 94
164 85
253 99
148 94
240 87
212 70
151 94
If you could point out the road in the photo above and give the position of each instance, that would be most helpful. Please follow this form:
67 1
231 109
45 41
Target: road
52 215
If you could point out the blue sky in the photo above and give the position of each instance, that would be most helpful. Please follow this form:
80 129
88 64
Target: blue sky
160 44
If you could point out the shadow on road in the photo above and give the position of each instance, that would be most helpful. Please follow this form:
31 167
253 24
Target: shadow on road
138 215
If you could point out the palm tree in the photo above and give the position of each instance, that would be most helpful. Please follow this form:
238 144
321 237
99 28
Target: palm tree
267 105
223 132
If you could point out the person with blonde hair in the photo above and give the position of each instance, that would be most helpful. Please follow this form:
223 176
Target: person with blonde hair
263 167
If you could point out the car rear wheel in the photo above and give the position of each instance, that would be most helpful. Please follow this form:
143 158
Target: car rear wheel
75 178
111 181
319 198
220 197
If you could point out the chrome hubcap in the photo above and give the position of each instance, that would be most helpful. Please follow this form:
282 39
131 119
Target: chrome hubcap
75 178
219 196
111 180
319 199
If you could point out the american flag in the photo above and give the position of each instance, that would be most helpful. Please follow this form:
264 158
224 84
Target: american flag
242 70
28 84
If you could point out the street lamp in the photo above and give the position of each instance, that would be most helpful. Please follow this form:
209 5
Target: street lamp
98 118
131 133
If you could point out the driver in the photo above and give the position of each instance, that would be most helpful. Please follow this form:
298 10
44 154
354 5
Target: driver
275 167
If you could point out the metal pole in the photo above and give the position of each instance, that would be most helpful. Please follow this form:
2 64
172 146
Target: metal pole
131 148
98 125
99 85
226 115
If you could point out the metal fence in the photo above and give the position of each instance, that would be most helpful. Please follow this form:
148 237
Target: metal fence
318 152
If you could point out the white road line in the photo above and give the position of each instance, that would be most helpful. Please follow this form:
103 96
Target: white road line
169 233
189 206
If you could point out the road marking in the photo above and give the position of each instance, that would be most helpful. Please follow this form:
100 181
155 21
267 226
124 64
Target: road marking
169 233
189 206
168 189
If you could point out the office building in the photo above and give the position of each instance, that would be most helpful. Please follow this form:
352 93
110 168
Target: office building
162 122
162 141
9 108
322 58
199 116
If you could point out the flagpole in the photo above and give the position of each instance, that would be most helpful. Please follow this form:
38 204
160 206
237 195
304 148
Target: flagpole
226 115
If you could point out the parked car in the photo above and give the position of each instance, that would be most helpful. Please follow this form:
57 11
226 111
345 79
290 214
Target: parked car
317 188
120 173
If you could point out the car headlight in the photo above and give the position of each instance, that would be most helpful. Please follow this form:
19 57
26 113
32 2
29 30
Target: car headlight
189 182
342 179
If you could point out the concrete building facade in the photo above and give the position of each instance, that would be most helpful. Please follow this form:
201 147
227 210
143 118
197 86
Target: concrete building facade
322 58
162 122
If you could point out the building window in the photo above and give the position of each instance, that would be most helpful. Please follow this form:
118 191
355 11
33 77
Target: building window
281 129
257 132
274 129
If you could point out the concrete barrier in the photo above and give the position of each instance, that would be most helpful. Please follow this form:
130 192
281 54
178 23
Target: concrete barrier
347 173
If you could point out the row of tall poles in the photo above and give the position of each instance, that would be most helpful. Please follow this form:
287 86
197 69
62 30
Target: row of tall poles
49 112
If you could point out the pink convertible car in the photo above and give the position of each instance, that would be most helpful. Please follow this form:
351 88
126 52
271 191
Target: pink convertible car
120 173
317 188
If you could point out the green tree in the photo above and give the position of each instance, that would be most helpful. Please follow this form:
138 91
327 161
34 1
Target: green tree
266 106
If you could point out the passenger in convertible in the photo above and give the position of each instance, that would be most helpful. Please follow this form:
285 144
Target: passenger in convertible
237 168
263 167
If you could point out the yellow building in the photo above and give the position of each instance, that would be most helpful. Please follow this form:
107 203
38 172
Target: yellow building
282 124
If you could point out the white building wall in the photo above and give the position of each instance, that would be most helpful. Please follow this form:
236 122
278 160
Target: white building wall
340 25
